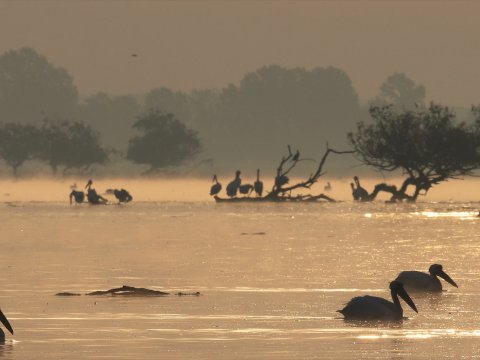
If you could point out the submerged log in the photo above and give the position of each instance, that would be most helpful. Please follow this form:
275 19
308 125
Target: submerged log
287 198
126 290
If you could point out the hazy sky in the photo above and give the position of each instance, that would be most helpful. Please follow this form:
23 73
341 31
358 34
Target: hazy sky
207 44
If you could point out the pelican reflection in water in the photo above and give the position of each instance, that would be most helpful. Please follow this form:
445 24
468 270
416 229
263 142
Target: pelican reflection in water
375 308
5 323
423 282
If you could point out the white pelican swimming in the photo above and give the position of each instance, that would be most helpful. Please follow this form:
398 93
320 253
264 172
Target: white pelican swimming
420 281
5 323
376 308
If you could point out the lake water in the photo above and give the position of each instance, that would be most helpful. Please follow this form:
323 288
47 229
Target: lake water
263 296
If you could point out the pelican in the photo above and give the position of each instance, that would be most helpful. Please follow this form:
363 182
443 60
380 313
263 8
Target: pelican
215 189
296 157
361 192
327 187
354 192
5 323
281 180
258 185
420 281
79 196
375 308
245 189
233 185
92 196
122 195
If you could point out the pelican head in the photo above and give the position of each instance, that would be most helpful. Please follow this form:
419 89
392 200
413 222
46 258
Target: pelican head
237 174
396 288
89 183
437 270
214 178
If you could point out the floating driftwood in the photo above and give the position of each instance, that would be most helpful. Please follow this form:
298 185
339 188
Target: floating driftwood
281 190
126 290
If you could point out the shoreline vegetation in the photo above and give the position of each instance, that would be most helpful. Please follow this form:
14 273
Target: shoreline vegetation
210 130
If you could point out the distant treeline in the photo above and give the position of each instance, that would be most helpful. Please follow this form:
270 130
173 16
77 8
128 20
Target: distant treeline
240 126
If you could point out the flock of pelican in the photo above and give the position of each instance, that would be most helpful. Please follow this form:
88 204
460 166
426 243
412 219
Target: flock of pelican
235 186
376 308
94 198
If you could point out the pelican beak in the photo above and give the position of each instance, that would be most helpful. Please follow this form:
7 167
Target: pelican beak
447 278
5 322
403 294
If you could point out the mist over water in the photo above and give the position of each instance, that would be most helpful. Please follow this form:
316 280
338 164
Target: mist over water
271 276
197 189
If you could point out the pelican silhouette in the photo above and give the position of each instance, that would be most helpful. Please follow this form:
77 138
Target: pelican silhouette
216 187
245 189
281 180
258 185
5 323
92 196
327 187
361 192
354 192
79 196
122 195
234 185
423 282
376 308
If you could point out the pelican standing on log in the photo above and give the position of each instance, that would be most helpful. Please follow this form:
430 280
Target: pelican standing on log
423 282
216 187
5 323
376 308
245 189
258 185
234 185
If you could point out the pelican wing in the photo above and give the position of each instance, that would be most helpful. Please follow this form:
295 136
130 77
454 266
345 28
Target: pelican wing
419 281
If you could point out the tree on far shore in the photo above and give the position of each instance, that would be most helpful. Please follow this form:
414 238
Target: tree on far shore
31 87
71 145
18 143
401 92
165 141
426 144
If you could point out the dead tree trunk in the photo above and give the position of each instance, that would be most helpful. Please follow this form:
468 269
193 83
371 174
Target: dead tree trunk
420 184
282 191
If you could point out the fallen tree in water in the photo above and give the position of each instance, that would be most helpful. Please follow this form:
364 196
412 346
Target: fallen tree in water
281 190
425 144
126 290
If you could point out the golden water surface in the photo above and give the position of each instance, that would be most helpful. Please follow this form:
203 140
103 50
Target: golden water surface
271 278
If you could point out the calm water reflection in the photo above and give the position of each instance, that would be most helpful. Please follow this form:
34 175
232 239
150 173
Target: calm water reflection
264 296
